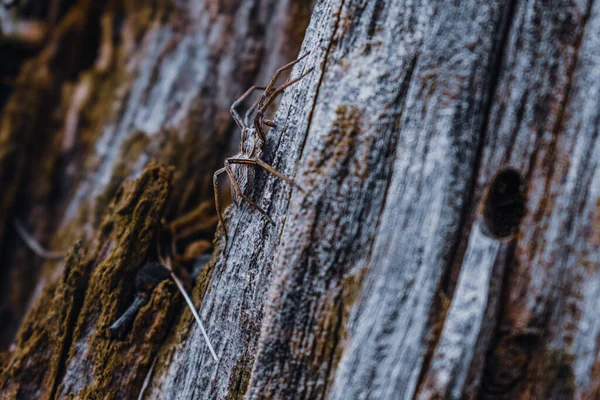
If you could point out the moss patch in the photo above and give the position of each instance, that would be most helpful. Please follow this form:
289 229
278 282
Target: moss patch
64 335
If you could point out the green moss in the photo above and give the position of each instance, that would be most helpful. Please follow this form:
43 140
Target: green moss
127 233
45 333
96 281
94 287
134 146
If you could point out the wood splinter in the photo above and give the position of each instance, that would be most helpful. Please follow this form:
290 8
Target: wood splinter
147 278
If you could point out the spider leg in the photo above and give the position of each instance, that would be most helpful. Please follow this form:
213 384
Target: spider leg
217 205
258 127
269 97
266 167
239 192
280 89
285 67
251 109
258 119
234 113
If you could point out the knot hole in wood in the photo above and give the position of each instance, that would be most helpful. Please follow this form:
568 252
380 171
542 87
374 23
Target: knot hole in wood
504 204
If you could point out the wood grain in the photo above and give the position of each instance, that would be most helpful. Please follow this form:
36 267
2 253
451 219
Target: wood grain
447 242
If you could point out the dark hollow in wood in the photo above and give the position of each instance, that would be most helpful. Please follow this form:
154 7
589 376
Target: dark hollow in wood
504 205
147 278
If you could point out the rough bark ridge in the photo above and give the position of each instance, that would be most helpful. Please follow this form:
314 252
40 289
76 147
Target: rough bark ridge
447 242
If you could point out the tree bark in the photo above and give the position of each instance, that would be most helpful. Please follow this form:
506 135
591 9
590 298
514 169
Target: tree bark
446 243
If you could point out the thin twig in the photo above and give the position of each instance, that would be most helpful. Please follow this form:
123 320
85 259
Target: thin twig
167 264
147 379
35 246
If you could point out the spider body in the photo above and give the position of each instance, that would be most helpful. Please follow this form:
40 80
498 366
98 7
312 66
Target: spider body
250 149
240 168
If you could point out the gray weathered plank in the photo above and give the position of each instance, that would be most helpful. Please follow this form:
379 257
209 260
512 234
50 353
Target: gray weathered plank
390 157
232 307
544 123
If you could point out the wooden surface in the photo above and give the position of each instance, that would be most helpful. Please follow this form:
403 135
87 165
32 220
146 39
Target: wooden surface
447 243
159 89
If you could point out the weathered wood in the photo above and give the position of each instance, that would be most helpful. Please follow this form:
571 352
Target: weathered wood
447 242
544 124
456 367
232 305
160 88
386 207
66 332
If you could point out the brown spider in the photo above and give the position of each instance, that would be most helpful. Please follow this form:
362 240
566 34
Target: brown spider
251 144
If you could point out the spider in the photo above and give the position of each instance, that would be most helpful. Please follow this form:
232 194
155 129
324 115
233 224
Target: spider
252 142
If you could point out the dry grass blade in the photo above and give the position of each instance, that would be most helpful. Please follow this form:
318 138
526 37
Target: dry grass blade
147 379
35 246
167 264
